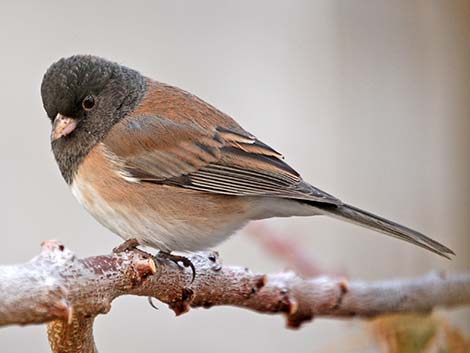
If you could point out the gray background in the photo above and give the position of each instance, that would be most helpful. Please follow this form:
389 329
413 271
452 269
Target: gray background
369 100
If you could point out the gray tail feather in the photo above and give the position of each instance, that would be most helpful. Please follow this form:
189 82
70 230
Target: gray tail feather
366 219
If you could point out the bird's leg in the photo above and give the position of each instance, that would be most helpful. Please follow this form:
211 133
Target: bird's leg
131 245
176 259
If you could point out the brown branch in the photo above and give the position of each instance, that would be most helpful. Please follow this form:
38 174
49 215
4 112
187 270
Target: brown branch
287 249
74 336
69 292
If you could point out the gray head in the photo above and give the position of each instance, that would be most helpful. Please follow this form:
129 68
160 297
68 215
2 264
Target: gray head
84 96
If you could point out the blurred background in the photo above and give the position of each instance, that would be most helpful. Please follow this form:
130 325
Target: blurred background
368 99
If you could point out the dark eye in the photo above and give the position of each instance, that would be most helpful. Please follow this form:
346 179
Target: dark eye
88 102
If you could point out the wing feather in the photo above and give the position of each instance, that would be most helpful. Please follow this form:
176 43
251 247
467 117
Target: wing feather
219 160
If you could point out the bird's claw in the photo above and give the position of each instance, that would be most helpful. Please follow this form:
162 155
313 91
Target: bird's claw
178 258
129 244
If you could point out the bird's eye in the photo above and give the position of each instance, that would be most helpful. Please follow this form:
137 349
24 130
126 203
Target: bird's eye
88 102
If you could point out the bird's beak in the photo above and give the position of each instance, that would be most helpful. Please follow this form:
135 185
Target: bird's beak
62 126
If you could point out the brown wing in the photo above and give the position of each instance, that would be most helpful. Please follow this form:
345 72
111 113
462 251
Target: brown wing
219 160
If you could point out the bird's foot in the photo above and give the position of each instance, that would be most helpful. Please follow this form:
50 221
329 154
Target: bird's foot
176 259
131 245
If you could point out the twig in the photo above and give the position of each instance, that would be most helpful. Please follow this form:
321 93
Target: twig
285 248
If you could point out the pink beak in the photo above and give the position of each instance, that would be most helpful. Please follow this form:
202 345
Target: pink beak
62 126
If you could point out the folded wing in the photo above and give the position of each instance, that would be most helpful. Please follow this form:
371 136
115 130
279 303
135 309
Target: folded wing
216 160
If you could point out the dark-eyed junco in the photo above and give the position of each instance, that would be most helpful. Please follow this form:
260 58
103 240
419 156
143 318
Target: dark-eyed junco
152 162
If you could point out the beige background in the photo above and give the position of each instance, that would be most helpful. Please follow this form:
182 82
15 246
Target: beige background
369 100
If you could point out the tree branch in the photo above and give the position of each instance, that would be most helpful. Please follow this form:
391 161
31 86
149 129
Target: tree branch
285 248
69 292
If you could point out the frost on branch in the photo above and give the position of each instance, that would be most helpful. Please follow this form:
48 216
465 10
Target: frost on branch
69 292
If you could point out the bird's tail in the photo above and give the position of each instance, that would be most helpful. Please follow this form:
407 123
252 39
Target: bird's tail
366 219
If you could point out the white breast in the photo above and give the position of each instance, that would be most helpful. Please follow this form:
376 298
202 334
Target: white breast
118 220
148 227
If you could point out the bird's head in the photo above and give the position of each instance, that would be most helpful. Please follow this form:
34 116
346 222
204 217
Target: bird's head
84 96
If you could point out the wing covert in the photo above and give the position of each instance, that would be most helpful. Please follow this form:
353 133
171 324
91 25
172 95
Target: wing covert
217 160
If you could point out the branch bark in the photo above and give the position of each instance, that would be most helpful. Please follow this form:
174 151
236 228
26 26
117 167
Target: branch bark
68 292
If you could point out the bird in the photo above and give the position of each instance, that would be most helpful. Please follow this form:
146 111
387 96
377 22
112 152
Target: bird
161 167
